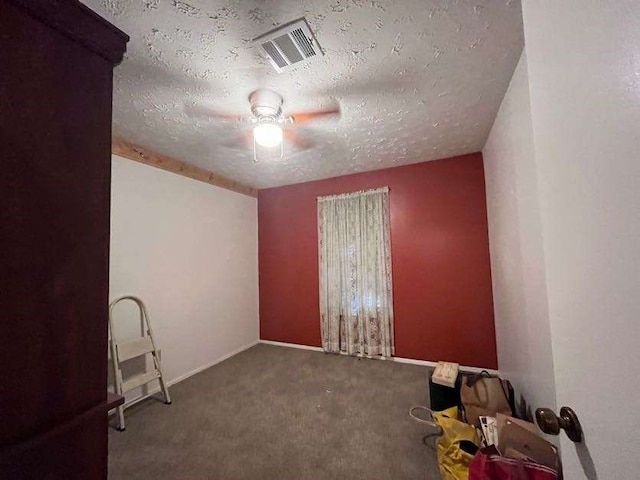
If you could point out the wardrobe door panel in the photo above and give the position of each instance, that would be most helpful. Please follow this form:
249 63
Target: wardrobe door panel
55 144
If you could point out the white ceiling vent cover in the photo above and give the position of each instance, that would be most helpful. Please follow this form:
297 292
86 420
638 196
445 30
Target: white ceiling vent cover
289 45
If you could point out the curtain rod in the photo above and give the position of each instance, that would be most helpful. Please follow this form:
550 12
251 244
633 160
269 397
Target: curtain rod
354 194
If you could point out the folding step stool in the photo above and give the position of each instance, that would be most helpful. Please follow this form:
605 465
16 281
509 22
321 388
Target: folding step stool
126 350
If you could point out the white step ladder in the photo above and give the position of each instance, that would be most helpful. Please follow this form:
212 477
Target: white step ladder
126 350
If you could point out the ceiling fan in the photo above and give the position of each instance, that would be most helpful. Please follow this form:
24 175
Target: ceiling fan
268 123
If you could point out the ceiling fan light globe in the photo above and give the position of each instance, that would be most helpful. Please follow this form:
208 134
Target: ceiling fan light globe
267 134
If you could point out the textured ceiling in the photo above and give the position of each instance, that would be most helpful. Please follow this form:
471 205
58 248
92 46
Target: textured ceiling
416 80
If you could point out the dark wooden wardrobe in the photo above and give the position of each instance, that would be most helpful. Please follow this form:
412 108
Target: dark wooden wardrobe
56 67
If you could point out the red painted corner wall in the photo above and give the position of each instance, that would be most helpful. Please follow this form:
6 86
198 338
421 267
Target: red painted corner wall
440 259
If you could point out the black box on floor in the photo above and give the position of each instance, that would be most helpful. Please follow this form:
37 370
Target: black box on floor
442 397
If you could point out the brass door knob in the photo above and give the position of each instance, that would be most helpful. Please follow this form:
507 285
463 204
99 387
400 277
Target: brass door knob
568 421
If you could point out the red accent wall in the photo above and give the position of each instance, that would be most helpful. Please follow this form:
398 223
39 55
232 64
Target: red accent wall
440 259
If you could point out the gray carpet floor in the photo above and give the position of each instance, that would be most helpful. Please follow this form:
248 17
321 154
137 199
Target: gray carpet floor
280 413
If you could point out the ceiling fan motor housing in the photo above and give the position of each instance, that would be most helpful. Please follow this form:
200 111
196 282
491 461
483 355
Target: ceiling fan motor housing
265 103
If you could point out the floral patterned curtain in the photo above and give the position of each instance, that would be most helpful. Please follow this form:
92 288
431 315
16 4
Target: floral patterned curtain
356 300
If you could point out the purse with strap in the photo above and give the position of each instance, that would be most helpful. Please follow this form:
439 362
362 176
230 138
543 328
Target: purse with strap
483 394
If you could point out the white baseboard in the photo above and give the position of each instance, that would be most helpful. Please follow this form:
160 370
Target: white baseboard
156 389
292 345
424 363
427 363
211 364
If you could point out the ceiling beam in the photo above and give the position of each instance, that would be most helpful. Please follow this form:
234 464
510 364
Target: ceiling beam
134 152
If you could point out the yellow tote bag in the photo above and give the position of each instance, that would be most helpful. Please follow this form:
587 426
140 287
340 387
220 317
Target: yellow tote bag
452 460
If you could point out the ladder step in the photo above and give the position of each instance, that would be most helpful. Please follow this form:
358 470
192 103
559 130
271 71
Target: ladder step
134 348
121 352
139 380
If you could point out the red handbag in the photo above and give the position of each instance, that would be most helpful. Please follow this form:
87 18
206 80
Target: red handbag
488 464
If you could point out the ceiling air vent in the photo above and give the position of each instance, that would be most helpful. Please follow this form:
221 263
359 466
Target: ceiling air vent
289 45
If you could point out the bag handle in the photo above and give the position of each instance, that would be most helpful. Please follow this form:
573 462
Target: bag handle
432 423
471 381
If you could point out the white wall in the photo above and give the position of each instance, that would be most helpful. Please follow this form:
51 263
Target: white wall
190 251
583 60
523 334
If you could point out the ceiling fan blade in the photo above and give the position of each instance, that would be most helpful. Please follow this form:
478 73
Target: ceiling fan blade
307 117
388 82
298 141
243 141
198 110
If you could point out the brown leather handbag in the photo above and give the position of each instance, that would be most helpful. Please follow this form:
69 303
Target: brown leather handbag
483 394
